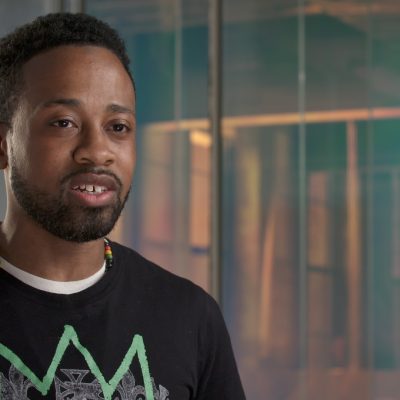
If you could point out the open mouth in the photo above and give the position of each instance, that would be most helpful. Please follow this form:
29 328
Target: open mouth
93 183
90 189
94 190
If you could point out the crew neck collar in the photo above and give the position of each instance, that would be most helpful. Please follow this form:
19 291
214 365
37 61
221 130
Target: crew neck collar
92 294
51 286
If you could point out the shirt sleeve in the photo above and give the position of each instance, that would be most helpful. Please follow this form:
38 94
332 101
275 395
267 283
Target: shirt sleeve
219 377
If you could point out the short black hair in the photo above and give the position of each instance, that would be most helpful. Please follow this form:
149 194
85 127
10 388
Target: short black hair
44 33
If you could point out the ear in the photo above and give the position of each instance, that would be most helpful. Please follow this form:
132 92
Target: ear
4 128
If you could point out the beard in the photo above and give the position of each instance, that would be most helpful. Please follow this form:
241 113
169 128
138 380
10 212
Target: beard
71 222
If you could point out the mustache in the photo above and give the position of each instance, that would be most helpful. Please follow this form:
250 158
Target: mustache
92 170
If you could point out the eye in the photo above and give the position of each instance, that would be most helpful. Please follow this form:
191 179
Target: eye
63 123
120 127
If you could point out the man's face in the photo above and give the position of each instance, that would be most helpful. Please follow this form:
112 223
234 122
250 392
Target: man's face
71 149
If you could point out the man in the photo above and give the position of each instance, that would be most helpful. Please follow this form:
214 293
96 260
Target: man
81 317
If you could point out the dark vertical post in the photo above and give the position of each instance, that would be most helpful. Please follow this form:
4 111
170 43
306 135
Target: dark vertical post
73 6
215 107
370 249
302 176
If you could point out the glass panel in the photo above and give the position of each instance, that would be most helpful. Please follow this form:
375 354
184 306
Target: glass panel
348 231
384 80
15 13
261 195
167 216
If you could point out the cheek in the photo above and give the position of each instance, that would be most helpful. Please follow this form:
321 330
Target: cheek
39 163
132 155
18 157
127 162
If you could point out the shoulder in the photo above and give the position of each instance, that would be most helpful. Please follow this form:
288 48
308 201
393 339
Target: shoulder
159 281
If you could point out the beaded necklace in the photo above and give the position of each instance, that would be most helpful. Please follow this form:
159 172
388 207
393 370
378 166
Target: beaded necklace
108 256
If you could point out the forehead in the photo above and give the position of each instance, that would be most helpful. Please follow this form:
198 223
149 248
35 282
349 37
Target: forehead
83 72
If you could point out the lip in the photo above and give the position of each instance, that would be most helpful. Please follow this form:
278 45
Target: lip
93 200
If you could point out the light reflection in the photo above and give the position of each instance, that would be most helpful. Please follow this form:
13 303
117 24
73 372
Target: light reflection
231 124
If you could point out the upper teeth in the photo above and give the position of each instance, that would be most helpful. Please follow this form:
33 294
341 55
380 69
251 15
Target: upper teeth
91 188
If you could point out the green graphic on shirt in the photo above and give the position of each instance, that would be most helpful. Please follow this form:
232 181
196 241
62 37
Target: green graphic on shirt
70 336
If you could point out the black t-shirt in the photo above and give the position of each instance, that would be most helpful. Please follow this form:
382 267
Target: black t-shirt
139 333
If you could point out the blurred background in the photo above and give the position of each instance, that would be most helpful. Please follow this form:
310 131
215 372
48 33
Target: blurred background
310 270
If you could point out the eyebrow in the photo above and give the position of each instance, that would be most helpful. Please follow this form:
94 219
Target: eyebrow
64 102
113 107
117 108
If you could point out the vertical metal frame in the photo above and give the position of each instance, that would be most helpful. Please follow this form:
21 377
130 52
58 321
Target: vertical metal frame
215 115
370 253
181 158
302 177
73 6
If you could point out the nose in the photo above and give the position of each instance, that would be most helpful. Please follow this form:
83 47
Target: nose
93 148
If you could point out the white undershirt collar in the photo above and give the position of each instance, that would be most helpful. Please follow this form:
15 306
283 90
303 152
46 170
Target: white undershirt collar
48 285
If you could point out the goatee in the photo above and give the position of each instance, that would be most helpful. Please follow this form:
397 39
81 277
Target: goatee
57 215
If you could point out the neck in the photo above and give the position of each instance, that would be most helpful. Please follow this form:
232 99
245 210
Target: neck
34 250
